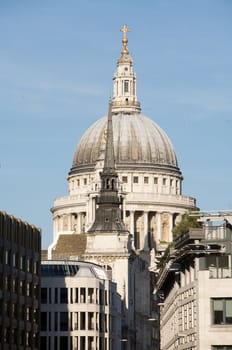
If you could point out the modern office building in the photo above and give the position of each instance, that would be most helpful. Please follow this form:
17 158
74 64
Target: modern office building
80 307
20 245
194 288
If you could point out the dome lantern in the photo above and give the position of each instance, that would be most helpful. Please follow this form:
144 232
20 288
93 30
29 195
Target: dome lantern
124 95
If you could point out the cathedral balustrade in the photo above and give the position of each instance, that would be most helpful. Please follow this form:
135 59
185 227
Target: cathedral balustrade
160 198
125 103
74 199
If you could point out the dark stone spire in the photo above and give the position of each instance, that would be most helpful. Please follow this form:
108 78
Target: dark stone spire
109 162
108 214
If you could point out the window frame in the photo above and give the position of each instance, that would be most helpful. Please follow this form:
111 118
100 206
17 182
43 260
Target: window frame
135 180
224 312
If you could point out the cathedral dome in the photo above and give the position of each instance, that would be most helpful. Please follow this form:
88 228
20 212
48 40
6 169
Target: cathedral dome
128 161
138 142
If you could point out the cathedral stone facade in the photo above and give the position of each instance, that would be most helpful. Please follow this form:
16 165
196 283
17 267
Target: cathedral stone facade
150 181
124 198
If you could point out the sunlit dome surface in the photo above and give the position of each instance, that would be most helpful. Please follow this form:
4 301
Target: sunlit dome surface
138 141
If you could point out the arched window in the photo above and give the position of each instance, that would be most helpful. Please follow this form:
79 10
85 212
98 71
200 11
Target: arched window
126 86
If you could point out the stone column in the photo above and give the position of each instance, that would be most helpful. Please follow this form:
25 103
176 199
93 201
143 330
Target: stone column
158 225
93 209
132 227
55 227
132 222
88 211
69 222
123 209
145 233
79 222
170 235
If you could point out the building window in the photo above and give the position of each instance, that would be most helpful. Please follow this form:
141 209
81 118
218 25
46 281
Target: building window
21 263
63 342
63 295
222 311
156 180
56 295
83 295
56 322
136 179
85 181
28 265
49 321
106 297
75 320
219 266
14 259
76 295
50 295
43 343
43 295
126 86
21 287
14 285
146 179
164 181
43 321
27 313
35 269
14 310
28 289
101 296
7 257
82 320
63 321
91 343
124 179
90 320
82 343
90 295
101 322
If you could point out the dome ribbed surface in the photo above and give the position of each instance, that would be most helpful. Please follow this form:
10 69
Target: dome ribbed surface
137 141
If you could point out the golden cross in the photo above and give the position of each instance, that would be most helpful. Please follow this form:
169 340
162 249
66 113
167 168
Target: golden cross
125 30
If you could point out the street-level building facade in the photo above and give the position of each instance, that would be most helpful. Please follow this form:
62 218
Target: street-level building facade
20 245
80 307
194 288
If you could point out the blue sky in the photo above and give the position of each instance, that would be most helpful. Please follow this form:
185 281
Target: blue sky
57 59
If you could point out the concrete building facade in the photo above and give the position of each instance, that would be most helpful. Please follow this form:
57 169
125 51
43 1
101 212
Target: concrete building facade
80 307
194 288
20 245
